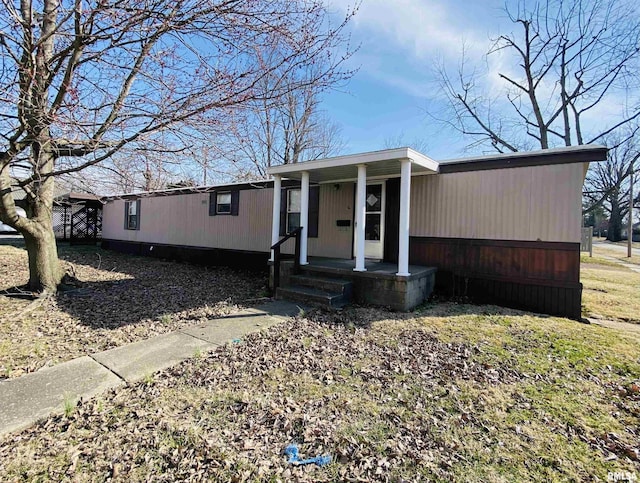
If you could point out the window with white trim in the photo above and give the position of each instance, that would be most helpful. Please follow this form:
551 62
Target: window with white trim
132 220
223 203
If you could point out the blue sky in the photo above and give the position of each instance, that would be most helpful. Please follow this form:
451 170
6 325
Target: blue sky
401 42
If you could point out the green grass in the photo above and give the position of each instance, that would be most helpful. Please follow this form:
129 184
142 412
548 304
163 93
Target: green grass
166 319
538 421
148 377
68 405
610 292
599 260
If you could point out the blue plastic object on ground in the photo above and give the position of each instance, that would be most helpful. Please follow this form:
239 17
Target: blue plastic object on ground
292 452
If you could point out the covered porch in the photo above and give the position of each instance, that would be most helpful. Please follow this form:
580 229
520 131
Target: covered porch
362 169
378 270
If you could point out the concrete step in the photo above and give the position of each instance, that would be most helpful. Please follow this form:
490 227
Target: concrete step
327 284
313 296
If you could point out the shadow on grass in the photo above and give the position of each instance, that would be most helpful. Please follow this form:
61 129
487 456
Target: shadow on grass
112 290
116 290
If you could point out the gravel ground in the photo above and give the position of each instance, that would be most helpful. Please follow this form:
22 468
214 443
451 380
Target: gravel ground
121 299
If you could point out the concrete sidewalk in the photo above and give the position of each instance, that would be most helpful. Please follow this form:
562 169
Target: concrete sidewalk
25 400
631 266
616 246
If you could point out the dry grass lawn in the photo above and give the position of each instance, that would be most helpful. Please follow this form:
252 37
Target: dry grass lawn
451 393
600 251
610 291
634 244
122 299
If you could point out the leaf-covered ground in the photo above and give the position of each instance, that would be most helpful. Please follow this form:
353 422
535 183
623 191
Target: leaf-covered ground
121 299
463 393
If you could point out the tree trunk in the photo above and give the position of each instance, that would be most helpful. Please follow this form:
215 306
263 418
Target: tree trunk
45 273
614 232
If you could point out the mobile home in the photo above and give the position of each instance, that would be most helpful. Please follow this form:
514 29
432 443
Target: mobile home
501 229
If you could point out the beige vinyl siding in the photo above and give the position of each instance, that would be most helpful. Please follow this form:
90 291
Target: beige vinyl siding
184 220
532 203
336 203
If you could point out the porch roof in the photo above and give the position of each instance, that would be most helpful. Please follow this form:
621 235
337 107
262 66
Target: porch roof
380 164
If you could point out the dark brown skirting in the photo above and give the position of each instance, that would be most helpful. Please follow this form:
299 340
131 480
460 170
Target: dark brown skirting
538 276
248 260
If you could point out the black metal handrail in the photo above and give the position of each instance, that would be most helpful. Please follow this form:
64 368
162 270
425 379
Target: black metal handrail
276 255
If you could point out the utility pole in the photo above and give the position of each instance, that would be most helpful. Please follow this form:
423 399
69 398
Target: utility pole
630 221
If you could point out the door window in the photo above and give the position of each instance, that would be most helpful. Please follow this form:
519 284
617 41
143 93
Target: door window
373 204
293 210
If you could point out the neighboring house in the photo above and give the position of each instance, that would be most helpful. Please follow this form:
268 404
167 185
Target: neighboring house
503 229
76 216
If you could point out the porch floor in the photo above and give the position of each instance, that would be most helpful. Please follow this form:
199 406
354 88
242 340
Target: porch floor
374 268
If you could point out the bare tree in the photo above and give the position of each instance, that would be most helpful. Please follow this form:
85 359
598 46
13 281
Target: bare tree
400 140
83 81
607 185
125 173
285 130
567 60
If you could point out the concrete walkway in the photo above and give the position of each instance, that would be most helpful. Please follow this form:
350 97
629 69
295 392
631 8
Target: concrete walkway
616 247
631 266
613 324
26 399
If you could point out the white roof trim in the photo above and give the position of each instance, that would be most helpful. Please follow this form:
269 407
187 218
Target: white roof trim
355 159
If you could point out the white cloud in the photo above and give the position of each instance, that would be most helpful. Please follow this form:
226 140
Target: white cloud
415 88
402 41
420 28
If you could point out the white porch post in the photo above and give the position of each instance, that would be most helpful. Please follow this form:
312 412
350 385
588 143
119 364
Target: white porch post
304 217
405 199
361 211
275 226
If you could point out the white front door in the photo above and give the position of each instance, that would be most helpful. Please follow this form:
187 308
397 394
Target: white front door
374 226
